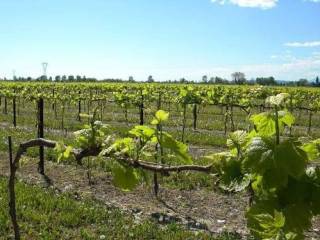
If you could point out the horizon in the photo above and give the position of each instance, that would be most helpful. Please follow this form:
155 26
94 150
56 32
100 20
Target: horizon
171 40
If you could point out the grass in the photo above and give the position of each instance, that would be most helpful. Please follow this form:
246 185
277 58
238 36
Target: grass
43 214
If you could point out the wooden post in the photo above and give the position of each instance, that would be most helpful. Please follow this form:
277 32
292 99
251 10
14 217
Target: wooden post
184 121
40 135
79 108
14 111
12 194
53 104
5 110
195 116
226 120
141 109
310 122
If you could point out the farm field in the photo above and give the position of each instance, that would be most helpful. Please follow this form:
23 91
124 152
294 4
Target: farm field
188 205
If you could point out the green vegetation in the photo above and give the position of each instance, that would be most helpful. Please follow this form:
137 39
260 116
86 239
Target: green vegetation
43 214
270 155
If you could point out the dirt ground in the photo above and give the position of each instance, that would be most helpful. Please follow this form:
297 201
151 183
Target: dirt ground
197 209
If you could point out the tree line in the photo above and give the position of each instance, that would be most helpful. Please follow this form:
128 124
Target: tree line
237 78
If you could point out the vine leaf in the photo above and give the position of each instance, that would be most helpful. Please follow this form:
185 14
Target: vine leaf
259 155
124 178
144 132
178 148
263 155
265 122
229 169
265 222
290 158
312 149
160 117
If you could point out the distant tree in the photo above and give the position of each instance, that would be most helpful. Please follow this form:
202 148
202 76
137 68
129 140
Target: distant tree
238 77
211 80
64 78
71 78
131 79
302 82
84 78
218 80
182 80
150 79
43 78
266 81
57 78
78 78
205 79
317 81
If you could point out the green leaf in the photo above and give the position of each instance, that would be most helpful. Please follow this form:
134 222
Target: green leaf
67 152
124 178
124 146
144 132
290 158
312 149
237 139
285 119
259 155
264 123
298 219
160 116
265 222
229 172
179 148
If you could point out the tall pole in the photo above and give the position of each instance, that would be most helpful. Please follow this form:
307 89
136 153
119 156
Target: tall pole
44 70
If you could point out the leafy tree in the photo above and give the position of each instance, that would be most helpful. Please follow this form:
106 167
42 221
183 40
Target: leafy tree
266 81
182 80
150 79
71 78
302 82
131 79
204 79
238 77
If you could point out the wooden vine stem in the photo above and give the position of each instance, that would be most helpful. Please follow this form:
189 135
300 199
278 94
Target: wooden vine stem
5 110
41 135
14 111
310 121
79 108
184 122
195 116
141 108
12 195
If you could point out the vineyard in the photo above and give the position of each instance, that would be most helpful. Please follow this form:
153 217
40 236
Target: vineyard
200 161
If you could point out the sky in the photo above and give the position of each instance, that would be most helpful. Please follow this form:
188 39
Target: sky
167 39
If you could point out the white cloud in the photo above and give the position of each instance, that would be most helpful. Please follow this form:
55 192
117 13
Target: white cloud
286 56
263 4
303 44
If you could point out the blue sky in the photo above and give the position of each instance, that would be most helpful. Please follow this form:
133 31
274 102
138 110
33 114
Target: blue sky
168 39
